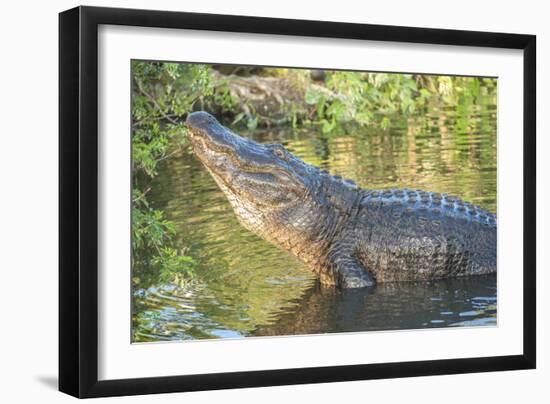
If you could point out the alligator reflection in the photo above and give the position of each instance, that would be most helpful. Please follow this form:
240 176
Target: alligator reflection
405 305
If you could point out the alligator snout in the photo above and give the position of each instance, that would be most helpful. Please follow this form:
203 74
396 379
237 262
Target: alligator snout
200 120
213 138
204 126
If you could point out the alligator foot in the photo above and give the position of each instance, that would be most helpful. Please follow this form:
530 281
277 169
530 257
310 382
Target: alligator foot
351 274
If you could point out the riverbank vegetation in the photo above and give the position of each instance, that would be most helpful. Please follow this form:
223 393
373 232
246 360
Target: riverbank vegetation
247 98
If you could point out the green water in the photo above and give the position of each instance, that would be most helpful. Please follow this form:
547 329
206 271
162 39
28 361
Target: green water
246 287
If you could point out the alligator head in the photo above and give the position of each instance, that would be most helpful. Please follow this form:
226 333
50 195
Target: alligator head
273 193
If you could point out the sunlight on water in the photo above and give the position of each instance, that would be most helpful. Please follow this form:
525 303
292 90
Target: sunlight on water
247 287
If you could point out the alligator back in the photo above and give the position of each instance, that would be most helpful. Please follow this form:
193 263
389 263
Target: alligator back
404 234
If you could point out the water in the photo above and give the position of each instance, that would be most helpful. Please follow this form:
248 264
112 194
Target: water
246 287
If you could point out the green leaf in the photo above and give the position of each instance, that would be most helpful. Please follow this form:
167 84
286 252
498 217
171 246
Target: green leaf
385 123
238 118
252 123
312 97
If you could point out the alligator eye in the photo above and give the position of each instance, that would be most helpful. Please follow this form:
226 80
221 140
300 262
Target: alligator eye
279 152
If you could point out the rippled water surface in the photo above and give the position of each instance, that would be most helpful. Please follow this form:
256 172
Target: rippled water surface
246 287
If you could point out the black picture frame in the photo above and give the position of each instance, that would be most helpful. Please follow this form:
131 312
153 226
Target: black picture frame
78 200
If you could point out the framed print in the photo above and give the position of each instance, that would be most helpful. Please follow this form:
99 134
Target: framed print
251 201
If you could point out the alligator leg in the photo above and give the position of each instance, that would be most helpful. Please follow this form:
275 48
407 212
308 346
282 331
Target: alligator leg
350 273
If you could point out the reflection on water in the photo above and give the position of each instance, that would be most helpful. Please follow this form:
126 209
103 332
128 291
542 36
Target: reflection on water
246 287
399 305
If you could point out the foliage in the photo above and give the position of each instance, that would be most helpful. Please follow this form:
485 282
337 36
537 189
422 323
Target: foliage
162 94
373 99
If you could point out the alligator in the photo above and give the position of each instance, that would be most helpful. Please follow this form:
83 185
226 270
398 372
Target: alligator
349 236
